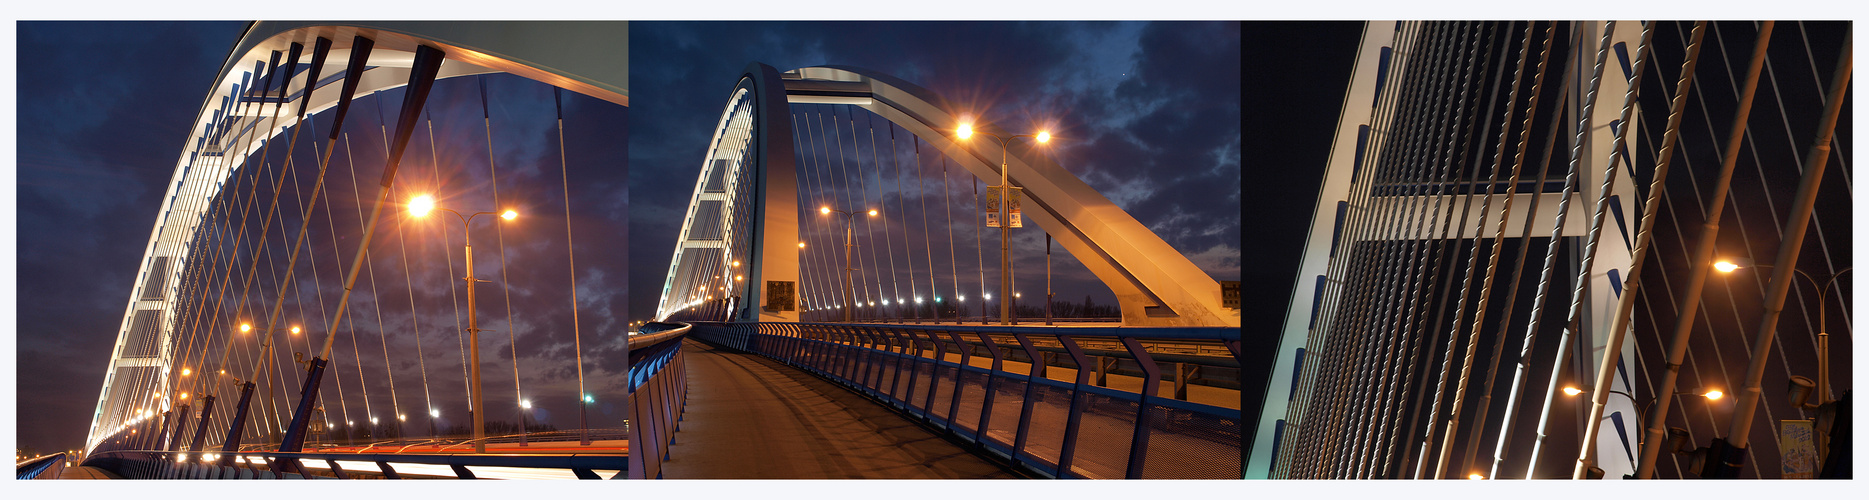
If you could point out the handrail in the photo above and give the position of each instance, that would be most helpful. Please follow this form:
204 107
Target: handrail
1052 427
32 469
658 390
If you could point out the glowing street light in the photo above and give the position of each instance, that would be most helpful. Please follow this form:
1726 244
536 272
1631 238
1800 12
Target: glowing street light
421 206
849 245
1725 267
1005 222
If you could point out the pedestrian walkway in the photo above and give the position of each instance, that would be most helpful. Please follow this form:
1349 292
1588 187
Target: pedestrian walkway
83 472
749 417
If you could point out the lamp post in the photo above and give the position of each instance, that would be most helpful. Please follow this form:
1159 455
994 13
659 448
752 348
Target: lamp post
849 243
1005 223
419 207
1823 330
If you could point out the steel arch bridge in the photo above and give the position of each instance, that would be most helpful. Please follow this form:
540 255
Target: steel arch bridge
738 257
1369 379
255 98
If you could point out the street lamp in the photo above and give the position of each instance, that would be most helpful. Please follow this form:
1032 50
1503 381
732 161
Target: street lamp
1712 394
421 206
265 350
1823 330
849 243
1005 222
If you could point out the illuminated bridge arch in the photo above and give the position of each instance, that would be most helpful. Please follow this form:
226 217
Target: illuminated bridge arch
240 114
745 257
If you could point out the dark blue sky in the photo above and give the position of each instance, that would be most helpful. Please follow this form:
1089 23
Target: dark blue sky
1146 113
111 105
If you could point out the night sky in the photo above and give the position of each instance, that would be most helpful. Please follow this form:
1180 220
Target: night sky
90 177
1146 113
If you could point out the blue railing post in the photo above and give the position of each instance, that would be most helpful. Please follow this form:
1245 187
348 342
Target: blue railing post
953 409
992 383
934 376
1152 376
1076 415
1031 387
902 355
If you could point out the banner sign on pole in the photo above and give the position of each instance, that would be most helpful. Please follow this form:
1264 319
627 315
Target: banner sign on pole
992 207
1798 437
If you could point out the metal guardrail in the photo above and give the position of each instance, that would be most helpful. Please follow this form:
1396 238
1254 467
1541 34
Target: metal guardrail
658 393
47 467
155 464
1055 428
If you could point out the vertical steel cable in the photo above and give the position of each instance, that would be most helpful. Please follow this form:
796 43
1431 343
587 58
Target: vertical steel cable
1353 269
1572 320
799 136
876 160
1423 267
1421 187
1452 135
1296 458
350 162
370 267
837 290
1499 235
577 336
851 261
331 329
414 324
863 185
499 231
1453 334
460 343
947 197
1689 303
1836 144
317 283
977 251
1525 234
1449 232
1790 141
1551 250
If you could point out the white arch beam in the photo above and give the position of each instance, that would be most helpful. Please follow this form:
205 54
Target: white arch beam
590 58
1155 284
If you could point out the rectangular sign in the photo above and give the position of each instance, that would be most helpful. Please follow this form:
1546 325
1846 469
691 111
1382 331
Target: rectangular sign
780 296
991 202
1798 442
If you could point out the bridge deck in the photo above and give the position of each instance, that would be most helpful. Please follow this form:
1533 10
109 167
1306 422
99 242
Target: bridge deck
83 472
749 417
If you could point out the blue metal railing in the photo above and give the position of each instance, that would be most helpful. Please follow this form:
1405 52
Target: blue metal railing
1069 429
155 464
32 469
658 393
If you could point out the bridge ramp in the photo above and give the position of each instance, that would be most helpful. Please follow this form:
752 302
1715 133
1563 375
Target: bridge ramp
749 417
